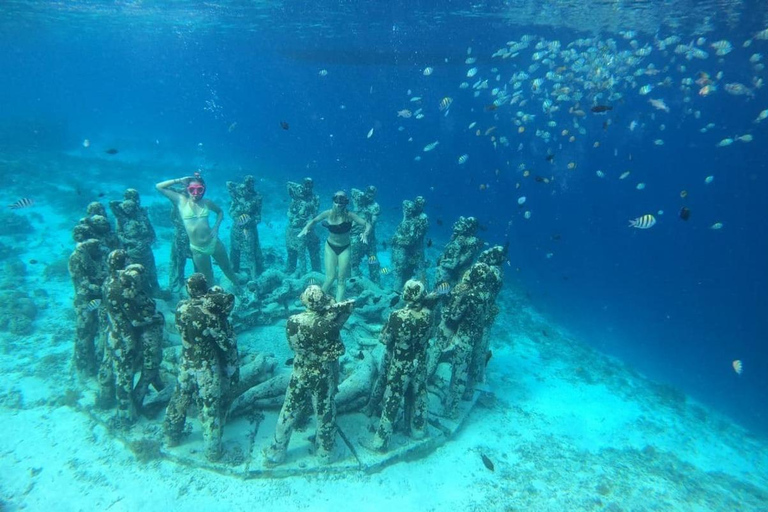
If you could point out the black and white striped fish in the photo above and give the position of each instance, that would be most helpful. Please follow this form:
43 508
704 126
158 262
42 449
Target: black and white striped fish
644 222
21 203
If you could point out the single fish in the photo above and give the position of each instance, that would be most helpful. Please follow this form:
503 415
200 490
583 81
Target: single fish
243 219
93 304
443 288
487 462
21 203
658 104
384 271
431 146
601 109
738 367
644 222
112 151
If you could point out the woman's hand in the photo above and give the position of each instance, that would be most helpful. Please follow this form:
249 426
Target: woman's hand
364 238
303 232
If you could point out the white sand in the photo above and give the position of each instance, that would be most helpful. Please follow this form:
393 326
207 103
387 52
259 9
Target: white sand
565 427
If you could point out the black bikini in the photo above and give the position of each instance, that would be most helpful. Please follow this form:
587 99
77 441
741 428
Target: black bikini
338 229
338 249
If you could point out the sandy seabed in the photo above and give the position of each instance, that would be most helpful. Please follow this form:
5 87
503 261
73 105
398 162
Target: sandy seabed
566 428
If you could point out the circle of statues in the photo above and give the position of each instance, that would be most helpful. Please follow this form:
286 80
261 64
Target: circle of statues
409 331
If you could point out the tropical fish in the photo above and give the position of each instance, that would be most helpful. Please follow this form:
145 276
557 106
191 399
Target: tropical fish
233 126
624 175
445 103
658 104
521 200
722 47
372 259
463 159
716 226
645 89
487 462
86 143
427 71
243 219
323 72
384 271
738 367
601 109
405 113
745 138
471 72
443 288
761 116
93 304
685 213
709 179
431 146
527 214
600 174
284 125
645 222
370 133
640 186
725 142
21 203
738 89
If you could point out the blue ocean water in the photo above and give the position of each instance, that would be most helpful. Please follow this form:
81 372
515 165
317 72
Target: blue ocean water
205 85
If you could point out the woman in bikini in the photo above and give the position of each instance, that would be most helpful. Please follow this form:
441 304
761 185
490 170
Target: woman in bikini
203 239
338 221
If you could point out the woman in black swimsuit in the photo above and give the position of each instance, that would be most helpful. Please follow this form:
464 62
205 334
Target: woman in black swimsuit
338 221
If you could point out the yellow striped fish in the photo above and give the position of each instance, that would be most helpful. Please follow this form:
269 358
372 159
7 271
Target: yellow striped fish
384 271
372 259
644 222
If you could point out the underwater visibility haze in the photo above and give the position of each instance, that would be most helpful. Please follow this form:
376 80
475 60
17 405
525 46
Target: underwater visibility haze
554 123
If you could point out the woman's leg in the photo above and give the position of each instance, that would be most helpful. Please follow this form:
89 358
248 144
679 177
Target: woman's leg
341 282
203 265
331 260
220 255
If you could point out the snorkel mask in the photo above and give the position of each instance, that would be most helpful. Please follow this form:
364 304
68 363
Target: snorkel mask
196 190
340 200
